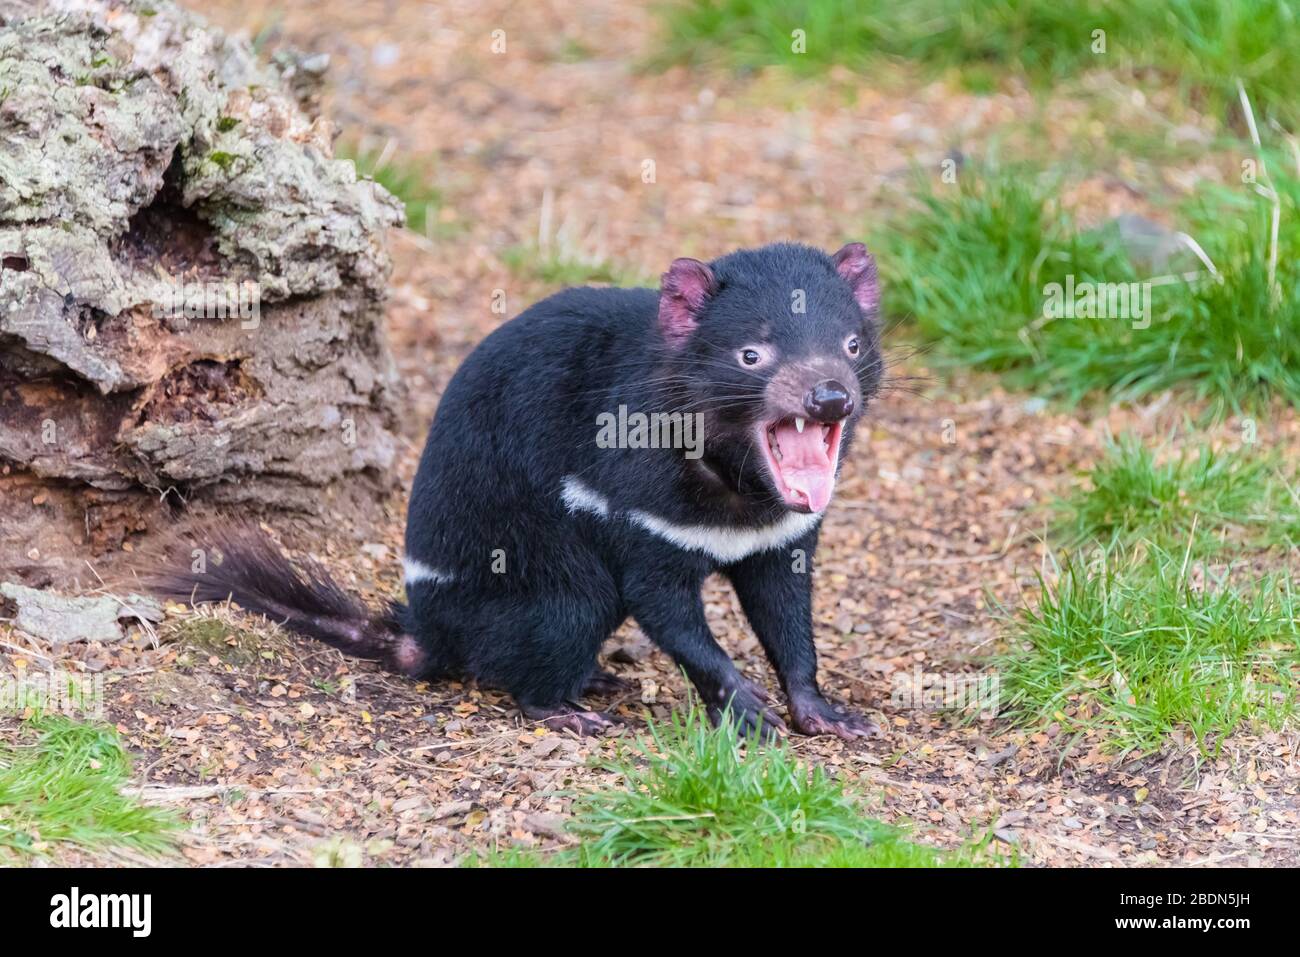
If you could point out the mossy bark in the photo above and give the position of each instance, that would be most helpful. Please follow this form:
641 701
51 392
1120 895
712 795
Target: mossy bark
192 292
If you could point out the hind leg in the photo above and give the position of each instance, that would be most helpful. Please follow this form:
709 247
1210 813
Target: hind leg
572 716
541 647
545 702
534 632
555 670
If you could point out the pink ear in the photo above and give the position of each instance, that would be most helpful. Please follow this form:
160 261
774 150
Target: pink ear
683 291
857 267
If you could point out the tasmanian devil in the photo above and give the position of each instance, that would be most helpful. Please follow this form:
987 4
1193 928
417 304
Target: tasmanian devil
538 522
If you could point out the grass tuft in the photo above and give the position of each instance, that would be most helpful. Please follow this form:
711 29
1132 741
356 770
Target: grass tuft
972 264
699 796
1219 500
1140 643
63 784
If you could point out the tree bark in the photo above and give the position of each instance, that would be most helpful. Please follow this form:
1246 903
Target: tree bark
191 299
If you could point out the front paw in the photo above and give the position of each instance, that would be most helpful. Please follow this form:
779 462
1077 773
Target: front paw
812 714
746 707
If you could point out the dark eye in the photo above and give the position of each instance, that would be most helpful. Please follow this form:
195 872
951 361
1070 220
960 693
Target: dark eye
750 357
852 346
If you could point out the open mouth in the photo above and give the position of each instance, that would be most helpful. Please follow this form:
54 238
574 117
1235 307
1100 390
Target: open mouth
801 456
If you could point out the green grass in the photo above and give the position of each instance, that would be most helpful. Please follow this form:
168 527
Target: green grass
971 264
1218 501
968 264
411 182
62 783
1140 643
696 796
1143 639
1203 45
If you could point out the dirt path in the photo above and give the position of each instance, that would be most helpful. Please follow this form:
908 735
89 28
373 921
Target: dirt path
283 752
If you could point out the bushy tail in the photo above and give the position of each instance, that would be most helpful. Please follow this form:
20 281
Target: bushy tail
301 597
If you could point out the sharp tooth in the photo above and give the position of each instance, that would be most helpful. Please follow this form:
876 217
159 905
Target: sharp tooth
798 424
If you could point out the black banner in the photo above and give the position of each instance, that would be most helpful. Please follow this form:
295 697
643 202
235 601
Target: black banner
237 907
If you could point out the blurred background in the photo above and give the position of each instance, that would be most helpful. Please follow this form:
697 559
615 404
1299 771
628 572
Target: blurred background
971 145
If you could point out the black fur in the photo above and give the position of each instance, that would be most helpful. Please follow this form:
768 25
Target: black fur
247 566
538 586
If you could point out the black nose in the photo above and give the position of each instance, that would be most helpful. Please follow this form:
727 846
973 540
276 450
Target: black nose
828 401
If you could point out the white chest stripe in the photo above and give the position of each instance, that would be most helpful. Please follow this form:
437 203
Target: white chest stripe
581 498
417 571
724 543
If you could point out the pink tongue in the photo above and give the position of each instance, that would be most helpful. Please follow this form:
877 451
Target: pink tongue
805 463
